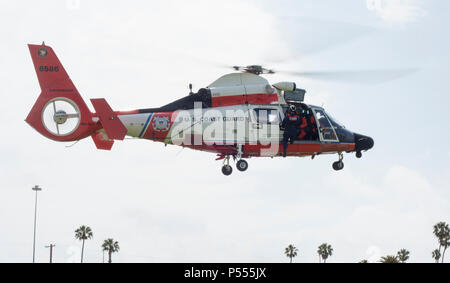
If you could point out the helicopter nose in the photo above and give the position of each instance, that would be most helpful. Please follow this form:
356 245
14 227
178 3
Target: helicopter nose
363 142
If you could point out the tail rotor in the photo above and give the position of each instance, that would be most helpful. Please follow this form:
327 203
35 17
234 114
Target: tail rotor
61 116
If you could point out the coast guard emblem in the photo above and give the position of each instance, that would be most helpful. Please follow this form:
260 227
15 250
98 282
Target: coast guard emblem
42 52
161 124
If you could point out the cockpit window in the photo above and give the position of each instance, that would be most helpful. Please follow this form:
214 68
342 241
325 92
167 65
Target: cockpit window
326 129
334 122
322 119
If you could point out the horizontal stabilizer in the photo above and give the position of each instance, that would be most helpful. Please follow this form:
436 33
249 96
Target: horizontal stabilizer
101 141
109 120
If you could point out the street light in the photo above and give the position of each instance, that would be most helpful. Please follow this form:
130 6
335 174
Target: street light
51 251
36 189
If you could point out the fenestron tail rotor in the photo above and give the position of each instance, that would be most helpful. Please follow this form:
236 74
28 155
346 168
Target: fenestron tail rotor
61 116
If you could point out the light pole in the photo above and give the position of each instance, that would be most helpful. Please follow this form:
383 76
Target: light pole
36 189
51 251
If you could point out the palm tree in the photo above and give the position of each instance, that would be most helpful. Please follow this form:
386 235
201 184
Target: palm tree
436 254
389 259
324 252
403 255
442 232
446 244
291 252
111 247
83 233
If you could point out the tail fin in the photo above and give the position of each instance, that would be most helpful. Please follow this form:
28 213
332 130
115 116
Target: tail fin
59 113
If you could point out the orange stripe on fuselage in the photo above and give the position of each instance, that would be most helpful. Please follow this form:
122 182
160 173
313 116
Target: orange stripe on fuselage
258 98
297 149
126 112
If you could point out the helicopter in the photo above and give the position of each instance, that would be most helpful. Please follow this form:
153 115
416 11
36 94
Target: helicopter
236 117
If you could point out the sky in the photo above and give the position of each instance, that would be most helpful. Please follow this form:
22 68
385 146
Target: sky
167 204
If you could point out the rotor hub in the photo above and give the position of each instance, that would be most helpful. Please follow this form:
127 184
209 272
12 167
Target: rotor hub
60 117
254 69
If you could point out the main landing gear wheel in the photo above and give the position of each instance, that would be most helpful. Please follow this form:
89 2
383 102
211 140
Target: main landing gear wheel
242 165
339 165
227 170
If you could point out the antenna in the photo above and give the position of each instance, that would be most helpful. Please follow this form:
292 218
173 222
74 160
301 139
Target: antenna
190 89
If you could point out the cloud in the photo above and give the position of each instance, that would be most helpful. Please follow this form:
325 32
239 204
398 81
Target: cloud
396 12
403 202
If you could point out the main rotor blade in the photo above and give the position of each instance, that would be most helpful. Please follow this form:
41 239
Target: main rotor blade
355 76
307 36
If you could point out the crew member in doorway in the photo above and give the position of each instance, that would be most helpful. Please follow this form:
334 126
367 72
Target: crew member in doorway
311 129
303 125
291 125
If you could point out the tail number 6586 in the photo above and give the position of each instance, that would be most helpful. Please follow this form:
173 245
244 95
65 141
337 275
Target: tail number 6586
48 68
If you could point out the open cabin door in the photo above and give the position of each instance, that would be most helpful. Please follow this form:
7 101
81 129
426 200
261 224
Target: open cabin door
265 124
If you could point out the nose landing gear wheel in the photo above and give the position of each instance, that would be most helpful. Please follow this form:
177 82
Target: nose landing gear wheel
227 170
338 165
358 154
242 165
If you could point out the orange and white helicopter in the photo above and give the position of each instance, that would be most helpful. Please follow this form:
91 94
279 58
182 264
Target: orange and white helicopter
238 116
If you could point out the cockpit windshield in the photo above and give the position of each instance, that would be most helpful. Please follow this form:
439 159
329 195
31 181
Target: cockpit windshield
334 122
326 129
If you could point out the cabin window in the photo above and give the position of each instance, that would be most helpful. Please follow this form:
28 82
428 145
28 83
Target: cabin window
267 116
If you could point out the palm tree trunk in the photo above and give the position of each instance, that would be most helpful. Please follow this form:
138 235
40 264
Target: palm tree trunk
290 261
82 251
109 253
443 254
